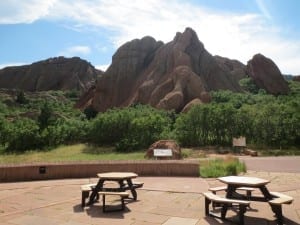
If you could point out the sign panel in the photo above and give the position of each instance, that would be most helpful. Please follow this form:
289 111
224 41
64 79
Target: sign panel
239 142
162 152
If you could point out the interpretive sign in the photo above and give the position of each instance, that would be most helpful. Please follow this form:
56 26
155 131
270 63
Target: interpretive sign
239 142
162 152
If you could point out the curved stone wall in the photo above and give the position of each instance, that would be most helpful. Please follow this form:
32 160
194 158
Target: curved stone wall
9 173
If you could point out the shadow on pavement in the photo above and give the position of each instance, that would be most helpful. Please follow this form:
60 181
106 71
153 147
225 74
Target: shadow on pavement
248 220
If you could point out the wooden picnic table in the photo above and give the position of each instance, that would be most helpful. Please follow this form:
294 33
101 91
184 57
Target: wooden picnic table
235 182
274 199
124 179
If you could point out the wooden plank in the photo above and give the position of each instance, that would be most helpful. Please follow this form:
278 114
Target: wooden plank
216 198
87 187
280 199
122 193
223 188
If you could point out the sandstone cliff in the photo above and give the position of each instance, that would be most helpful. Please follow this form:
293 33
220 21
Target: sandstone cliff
52 74
166 76
267 75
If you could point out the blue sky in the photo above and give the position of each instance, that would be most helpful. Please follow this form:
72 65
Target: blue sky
33 30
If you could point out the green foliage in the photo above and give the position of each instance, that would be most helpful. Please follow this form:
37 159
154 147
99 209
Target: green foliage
143 131
72 94
90 112
49 119
44 118
129 128
211 124
22 134
3 131
21 99
222 167
64 132
248 85
264 120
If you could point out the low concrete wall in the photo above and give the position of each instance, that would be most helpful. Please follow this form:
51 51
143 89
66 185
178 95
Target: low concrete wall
9 173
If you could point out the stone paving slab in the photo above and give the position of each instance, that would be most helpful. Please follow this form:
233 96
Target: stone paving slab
162 201
180 221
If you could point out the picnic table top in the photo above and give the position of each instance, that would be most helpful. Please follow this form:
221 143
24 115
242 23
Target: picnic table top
117 175
244 181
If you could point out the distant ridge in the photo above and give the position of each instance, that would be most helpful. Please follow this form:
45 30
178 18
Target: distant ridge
57 73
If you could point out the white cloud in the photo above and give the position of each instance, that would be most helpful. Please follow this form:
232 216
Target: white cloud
102 67
75 51
232 35
26 11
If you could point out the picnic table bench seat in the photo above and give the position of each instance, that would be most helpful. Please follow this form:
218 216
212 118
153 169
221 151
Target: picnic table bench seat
280 199
135 184
85 192
224 188
225 203
122 194
276 204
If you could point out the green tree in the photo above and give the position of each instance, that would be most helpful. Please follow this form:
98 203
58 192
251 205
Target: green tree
21 98
22 135
248 85
44 118
90 112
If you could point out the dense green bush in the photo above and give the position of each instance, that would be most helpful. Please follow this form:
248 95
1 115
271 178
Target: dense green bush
265 120
129 128
143 131
22 134
211 124
64 132
248 85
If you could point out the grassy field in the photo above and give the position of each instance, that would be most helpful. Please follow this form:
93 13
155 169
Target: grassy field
83 152
73 153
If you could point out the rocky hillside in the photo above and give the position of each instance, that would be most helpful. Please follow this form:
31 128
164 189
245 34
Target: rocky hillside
52 74
166 76
175 75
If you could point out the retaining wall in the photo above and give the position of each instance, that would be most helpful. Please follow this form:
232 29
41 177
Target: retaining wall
9 173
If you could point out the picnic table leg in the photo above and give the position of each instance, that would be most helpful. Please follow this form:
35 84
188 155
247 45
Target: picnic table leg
207 202
266 193
224 211
242 210
132 189
277 209
95 190
84 195
230 191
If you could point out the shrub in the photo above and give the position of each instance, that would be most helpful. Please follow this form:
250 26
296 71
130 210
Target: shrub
129 128
44 118
22 135
222 167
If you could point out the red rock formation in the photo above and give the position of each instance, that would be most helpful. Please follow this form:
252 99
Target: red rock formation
52 74
234 67
267 75
296 78
166 76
